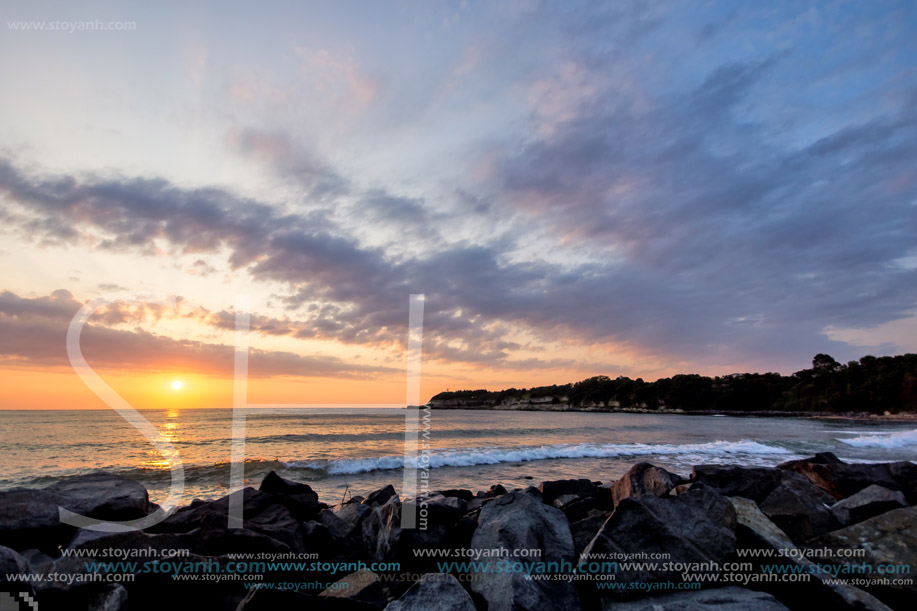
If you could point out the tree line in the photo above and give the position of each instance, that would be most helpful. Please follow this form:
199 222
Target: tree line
872 384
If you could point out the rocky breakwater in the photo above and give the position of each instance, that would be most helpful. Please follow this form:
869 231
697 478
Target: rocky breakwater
723 537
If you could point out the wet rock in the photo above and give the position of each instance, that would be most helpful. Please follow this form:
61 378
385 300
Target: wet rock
575 507
696 527
31 518
725 599
748 482
584 531
799 508
494 491
888 539
11 562
465 495
380 497
644 478
434 592
551 491
842 479
113 598
520 521
298 498
345 521
754 531
604 494
437 527
868 502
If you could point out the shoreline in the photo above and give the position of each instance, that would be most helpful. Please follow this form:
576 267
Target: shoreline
902 418
733 524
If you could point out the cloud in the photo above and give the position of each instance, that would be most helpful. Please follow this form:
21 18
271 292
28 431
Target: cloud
716 201
34 332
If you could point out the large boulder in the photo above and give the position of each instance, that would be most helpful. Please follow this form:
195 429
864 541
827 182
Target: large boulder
644 478
799 508
345 521
842 479
731 598
520 521
31 517
465 495
439 526
889 539
868 502
551 491
584 530
575 507
753 483
765 544
695 527
11 563
434 592
380 497
267 525
301 501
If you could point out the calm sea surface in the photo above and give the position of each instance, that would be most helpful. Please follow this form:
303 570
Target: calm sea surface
333 449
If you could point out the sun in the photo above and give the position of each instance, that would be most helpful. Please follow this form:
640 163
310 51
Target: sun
177 385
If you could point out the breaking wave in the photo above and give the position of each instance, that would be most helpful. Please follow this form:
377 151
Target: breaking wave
900 439
490 456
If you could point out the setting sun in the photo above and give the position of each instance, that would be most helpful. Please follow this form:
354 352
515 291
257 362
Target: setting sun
176 385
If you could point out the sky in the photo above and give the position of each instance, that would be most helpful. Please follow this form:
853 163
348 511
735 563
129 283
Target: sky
576 188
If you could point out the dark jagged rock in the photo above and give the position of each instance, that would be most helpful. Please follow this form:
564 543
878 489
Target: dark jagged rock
724 599
886 539
517 521
584 531
298 498
494 491
465 495
345 521
575 507
867 503
754 531
697 526
438 527
753 483
842 479
11 562
267 524
380 497
112 598
31 518
644 478
551 491
604 494
799 508
434 592
319 541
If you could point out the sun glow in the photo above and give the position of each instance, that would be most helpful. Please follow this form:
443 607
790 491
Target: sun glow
177 385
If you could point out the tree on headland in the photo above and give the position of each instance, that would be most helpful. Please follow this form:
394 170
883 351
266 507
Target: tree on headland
872 384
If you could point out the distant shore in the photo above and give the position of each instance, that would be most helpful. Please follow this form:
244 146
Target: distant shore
562 407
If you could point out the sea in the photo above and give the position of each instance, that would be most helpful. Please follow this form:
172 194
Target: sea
344 452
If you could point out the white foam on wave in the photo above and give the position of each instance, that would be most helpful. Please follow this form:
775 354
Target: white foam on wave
491 456
901 439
